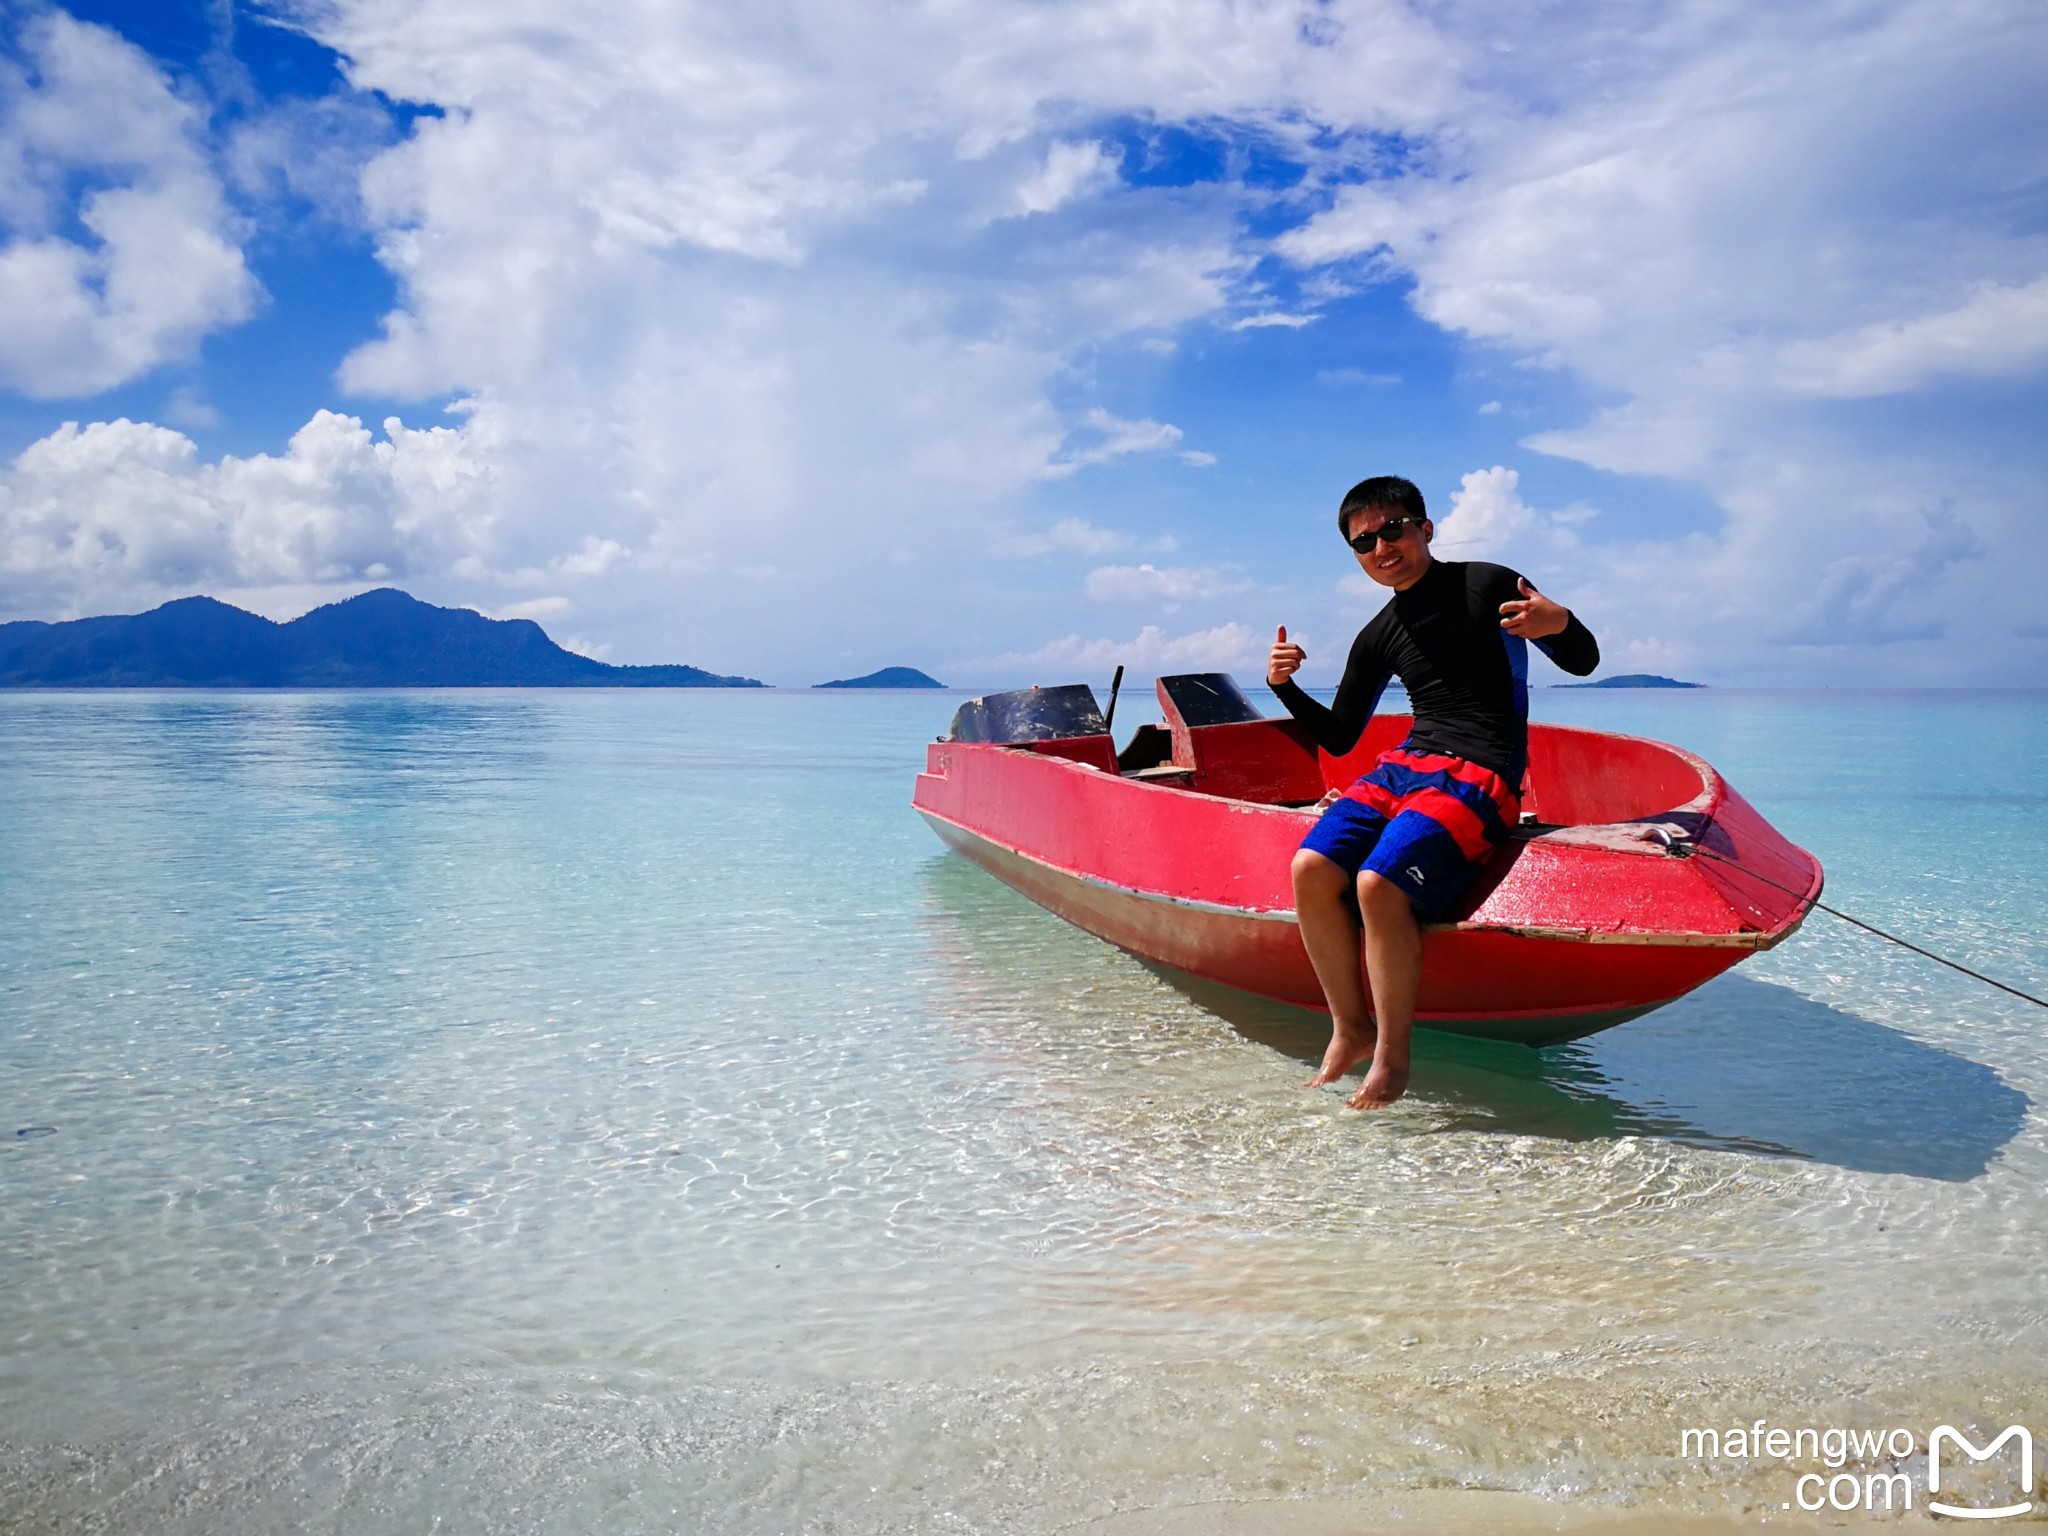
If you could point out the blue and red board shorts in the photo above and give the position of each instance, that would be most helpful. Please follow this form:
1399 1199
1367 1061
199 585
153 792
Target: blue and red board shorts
1426 822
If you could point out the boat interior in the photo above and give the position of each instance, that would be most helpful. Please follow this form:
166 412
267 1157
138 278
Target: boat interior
1215 741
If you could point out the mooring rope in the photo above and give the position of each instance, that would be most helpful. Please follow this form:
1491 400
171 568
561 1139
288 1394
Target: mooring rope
1678 850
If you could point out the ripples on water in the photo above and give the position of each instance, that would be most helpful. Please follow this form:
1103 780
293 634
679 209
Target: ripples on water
613 1112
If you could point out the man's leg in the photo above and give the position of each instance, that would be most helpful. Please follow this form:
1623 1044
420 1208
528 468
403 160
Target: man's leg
1393 959
1330 934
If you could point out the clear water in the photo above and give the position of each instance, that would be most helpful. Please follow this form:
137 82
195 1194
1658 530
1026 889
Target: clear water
614 1112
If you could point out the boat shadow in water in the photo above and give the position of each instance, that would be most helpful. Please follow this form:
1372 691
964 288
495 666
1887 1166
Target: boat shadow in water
1740 1065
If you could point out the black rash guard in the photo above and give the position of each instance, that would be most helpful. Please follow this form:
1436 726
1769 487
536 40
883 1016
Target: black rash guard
1467 678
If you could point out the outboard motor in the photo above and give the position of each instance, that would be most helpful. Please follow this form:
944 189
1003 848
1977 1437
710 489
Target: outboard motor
1029 714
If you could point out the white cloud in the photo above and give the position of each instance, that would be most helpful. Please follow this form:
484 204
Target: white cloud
593 557
539 609
1074 535
1997 332
1717 192
152 264
1271 318
1115 438
782 294
1170 586
1069 170
750 299
186 407
1151 652
756 292
597 156
1489 520
1487 513
312 150
1677 208
121 511
1884 597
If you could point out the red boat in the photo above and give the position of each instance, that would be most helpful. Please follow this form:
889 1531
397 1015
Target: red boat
1638 872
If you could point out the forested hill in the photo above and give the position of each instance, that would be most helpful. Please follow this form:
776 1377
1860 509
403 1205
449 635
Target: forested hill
888 677
381 639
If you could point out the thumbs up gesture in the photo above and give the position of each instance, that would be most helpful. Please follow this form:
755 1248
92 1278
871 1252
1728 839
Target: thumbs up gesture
1284 660
1533 616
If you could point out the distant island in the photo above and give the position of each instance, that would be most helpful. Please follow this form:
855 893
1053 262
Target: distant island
1633 680
380 639
888 677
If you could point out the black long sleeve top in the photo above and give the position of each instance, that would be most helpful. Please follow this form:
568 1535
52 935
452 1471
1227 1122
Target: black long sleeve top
1467 678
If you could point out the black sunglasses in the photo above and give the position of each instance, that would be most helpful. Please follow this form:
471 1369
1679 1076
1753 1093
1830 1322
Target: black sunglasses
1392 529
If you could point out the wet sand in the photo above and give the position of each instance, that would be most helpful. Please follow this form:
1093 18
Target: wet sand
1434 1512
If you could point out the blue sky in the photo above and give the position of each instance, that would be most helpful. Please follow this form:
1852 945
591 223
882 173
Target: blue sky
1014 341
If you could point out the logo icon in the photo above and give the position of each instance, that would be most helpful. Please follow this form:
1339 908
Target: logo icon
1964 1444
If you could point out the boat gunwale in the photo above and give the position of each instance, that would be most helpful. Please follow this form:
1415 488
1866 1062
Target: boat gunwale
1712 791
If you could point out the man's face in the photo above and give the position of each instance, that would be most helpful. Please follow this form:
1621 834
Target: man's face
1399 564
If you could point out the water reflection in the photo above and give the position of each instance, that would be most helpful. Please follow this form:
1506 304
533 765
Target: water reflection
1740 1065
379 744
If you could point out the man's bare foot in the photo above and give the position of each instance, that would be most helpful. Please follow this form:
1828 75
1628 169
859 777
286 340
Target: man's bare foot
1382 1086
1348 1047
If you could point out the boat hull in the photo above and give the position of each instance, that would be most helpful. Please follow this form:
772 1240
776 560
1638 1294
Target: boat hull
1574 929
1554 998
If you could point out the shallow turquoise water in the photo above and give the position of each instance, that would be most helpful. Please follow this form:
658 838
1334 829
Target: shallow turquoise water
614 1112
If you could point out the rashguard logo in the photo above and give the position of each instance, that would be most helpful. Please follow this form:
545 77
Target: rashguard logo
1963 1443
1416 874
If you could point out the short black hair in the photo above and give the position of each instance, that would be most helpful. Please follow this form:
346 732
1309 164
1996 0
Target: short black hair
1389 491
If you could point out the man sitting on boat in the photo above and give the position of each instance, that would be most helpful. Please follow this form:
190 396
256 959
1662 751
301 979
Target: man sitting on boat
1408 839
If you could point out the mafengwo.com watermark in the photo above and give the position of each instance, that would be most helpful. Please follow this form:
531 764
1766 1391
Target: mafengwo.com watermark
1874 1470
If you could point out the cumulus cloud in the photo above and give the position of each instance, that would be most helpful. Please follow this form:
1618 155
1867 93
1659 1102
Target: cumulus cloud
664 147
1270 318
1114 437
1669 207
1489 520
593 556
1718 198
1074 535
1886 597
1487 513
121 510
1169 587
800 302
1069 169
151 263
539 609
714 276
1676 208
186 407
1151 652
311 151
1997 332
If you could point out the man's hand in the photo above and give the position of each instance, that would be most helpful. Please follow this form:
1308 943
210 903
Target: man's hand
1285 659
1533 617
